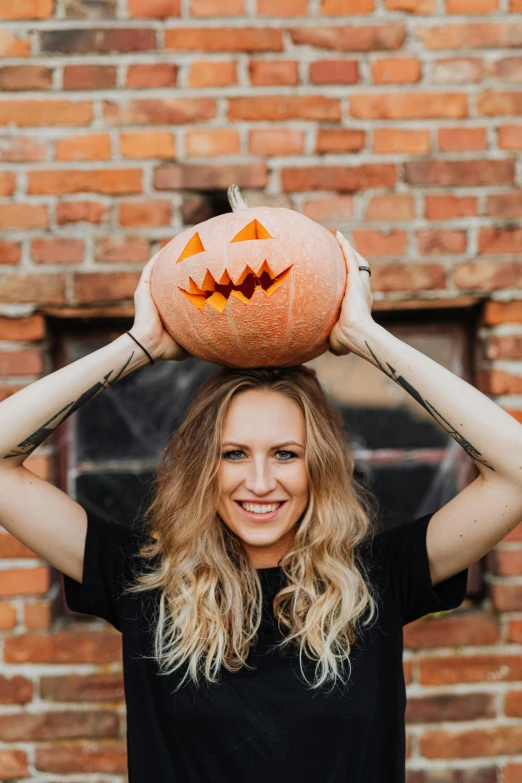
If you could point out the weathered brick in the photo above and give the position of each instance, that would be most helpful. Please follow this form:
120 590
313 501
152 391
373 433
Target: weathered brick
63 647
501 382
360 38
510 137
487 275
339 140
81 687
110 181
474 7
492 241
458 139
23 216
447 206
502 312
144 213
284 107
458 70
10 252
18 149
25 77
15 690
81 212
377 243
471 35
38 615
8 620
513 704
89 77
81 757
22 330
339 7
7 183
24 581
334 72
57 251
160 111
282 7
147 144
333 209
504 205
10 547
435 241
450 707
494 740
399 70
454 669
210 73
12 45
216 141
26 9
233 39
493 103
38 288
147 76
339 177
413 142
95 146
23 362
265 73
129 250
104 286
153 9
26 113
481 171
212 8
408 277
98 40
87 9
408 105
508 69
57 725
393 206
208 177
276 141
451 630
13 764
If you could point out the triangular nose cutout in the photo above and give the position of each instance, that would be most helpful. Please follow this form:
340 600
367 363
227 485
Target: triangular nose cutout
253 230
193 246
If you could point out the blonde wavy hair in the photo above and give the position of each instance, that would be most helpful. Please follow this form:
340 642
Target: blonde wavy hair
210 596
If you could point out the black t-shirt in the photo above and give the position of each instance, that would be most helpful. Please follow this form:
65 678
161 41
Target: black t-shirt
266 724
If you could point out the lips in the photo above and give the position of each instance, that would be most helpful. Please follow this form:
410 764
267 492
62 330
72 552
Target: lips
217 293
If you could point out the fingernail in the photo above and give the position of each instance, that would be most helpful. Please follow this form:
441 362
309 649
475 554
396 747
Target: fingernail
338 233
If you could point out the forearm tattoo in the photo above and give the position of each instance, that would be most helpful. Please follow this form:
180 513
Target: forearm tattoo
450 429
30 443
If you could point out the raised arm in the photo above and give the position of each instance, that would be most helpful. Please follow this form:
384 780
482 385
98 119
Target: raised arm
37 513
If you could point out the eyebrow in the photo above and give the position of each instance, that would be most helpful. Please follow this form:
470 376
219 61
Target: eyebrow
278 446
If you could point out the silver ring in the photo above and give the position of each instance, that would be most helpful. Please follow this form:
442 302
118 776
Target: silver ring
366 269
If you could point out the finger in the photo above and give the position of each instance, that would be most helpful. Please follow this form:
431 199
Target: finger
349 253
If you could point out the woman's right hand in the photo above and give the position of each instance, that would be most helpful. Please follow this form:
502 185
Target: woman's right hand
148 327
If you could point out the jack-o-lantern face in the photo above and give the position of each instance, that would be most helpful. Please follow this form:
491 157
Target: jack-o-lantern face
257 287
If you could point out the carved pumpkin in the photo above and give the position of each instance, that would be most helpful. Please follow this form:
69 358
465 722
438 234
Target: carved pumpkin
256 287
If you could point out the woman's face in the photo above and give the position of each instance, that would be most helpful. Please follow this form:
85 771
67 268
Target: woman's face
263 485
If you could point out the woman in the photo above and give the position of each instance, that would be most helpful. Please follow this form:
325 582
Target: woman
261 612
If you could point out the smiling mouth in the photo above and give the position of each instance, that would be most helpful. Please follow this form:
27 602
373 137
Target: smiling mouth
217 293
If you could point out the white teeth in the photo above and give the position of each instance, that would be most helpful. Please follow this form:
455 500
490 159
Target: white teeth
254 508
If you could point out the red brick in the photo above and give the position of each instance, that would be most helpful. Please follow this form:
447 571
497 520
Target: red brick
10 253
359 38
213 8
339 7
81 212
450 707
15 690
334 72
458 70
408 105
57 251
131 250
208 177
493 103
493 240
461 139
10 547
147 76
22 330
501 382
100 40
276 141
148 144
13 764
58 725
505 562
8 620
26 9
216 141
471 35
483 276
339 140
110 181
447 207
403 70
396 276
502 312
413 142
207 73
481 171
24 581
390 206
75 757
37 288
216 39
23 216
510 137
512 771
265 73
508 69
25 77
144 213
473 7
333 209
13 45
284 107
339 177
159 111
454 669
513 704
380 243
89 77
104 286
153 9
439 240
504 205
82 687
282 7
24 113
450 630
17 149
38 615
508 598
22 362
514 626
492 741
96 146
64 647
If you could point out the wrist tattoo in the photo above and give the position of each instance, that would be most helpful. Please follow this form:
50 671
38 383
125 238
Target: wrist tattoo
474 453
29 444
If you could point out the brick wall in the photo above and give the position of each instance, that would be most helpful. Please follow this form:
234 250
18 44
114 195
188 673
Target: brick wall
121 121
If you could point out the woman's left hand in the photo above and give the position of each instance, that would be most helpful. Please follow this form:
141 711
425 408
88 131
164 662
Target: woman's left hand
356 309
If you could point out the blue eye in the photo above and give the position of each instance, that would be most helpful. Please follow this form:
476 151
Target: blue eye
290 455
229 454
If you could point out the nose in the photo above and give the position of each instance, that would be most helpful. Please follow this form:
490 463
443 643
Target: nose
260 478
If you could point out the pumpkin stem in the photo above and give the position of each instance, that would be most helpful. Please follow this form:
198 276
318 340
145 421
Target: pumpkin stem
236 200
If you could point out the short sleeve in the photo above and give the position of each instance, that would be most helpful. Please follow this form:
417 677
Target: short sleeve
110 555
403 557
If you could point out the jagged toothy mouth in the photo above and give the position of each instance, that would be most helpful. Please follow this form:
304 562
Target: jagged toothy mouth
216 293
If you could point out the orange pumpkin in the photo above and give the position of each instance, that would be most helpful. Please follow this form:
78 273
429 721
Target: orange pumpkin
256 287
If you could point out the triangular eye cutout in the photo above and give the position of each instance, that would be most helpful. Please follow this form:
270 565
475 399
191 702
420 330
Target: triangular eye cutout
254 230
193 246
